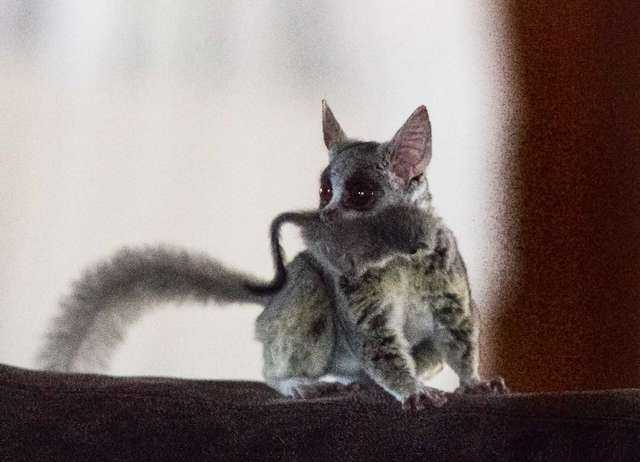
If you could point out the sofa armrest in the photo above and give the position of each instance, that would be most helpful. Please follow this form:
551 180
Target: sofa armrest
54 416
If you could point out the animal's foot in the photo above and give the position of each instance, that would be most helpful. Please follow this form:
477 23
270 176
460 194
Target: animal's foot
323 389
485 387
426 397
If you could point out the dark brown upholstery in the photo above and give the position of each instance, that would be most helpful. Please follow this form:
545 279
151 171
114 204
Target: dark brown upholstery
48 416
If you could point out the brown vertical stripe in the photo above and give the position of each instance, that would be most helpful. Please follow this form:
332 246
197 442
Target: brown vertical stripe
571 318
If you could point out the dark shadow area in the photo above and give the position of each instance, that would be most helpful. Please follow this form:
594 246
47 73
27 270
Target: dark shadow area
571 318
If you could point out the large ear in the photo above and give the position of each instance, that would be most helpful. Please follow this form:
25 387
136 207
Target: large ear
411 146
331 130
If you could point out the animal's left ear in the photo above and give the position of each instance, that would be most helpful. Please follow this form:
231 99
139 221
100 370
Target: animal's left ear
410 147
331 129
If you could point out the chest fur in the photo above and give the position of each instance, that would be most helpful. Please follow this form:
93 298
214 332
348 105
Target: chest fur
405 289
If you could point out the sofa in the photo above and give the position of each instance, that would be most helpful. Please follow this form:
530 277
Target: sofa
74 417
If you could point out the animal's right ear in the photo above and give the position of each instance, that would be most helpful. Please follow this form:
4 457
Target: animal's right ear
331 130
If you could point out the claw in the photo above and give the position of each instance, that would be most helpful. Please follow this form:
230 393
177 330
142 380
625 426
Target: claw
427 397
499 386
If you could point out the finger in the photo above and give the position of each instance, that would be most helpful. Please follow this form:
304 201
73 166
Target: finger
435 399
499 386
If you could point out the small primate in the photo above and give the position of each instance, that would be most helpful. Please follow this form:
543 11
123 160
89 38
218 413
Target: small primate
380 295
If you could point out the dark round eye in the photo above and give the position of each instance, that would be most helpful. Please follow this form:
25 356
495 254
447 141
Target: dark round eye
360 195
326 192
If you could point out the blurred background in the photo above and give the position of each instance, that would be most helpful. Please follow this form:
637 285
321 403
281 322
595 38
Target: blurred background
194 123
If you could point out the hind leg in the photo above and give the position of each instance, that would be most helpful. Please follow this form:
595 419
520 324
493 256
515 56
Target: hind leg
295 363
297 333
305 388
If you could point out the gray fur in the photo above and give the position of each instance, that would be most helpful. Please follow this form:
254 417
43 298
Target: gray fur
390 279
389 318
381 294
116 292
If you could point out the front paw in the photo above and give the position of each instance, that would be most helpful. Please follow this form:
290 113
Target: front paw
495 386
425 397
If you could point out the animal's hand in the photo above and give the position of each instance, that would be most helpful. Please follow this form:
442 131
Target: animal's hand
423 398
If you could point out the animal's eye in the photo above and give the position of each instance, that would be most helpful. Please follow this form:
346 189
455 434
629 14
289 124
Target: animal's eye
326 192
360 195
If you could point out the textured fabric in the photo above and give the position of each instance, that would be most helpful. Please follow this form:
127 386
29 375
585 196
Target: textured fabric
55 416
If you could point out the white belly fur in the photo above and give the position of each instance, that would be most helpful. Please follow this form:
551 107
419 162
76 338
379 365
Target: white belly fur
411 312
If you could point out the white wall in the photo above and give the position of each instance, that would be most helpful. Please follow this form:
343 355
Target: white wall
195 122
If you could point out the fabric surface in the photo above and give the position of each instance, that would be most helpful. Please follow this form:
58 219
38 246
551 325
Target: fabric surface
53 416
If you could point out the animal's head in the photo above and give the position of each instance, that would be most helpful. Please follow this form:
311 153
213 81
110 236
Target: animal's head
374 200
363 178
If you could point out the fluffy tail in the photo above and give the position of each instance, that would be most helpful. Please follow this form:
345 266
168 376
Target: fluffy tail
109 297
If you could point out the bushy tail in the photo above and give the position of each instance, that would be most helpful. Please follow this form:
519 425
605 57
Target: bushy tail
106 299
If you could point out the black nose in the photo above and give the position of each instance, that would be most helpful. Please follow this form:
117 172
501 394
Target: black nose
329 215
